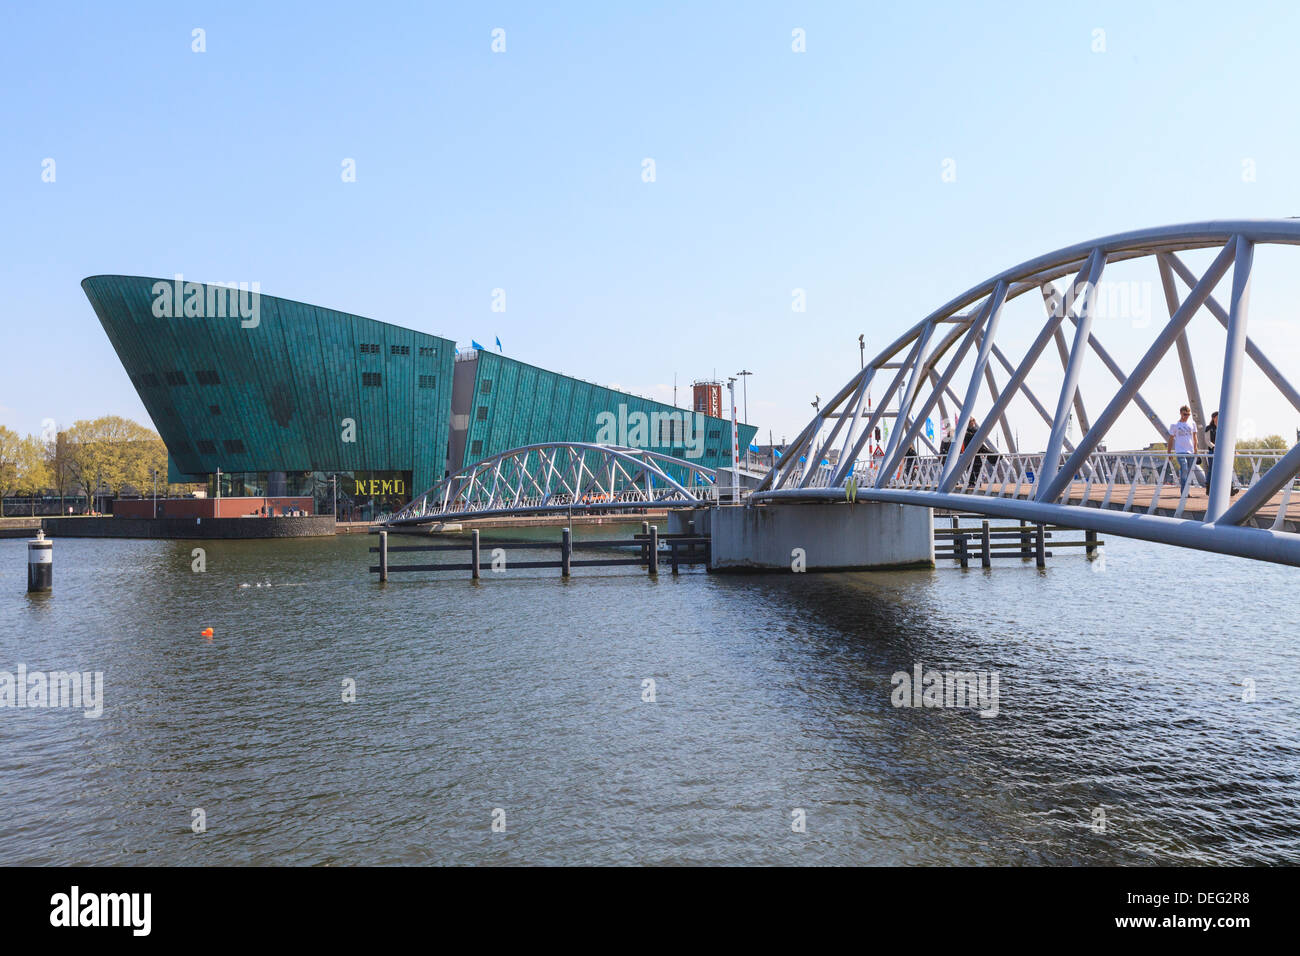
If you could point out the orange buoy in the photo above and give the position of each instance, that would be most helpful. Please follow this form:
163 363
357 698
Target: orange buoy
207 632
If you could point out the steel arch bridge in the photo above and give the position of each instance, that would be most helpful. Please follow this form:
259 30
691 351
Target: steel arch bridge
950 356
563 477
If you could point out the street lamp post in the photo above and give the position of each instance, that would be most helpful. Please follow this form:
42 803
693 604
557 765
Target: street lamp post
735 444
862 351
744 375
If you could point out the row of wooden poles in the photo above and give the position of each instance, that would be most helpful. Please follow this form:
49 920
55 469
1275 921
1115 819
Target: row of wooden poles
1025 541
683 549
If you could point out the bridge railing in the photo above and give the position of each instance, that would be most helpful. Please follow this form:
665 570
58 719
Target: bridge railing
1104 473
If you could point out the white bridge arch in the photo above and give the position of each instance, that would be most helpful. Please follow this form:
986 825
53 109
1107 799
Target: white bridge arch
565 477
946 360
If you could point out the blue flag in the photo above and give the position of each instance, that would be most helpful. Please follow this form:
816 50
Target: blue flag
753 448
776 452
498 343
475 345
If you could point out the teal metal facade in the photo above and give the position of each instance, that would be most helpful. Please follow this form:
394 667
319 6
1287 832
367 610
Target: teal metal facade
276 395
516 404
226 394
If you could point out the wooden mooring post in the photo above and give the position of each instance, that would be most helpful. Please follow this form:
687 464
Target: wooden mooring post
986 551
383 556
474 562
1040 555
566 552
654 551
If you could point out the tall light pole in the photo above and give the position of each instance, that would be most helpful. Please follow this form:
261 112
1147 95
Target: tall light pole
735 444
862 351
744 375
155 492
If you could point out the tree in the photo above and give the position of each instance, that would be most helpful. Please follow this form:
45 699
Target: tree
60 468
1244 468
9 442
113 454
33 472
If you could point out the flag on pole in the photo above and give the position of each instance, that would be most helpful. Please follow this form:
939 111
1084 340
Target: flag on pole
498 343
475 345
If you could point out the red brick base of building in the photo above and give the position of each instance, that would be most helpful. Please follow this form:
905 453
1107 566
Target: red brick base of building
211 507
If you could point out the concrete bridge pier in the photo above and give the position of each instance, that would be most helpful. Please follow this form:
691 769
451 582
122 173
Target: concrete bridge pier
689 520
821 537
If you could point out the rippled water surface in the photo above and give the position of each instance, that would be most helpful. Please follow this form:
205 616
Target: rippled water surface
1120 694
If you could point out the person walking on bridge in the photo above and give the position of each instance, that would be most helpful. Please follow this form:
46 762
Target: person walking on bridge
1182 442
1211 436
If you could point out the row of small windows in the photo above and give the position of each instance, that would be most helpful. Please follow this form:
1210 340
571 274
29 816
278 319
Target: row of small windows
233 446
175 378
376 380
373 348
482 413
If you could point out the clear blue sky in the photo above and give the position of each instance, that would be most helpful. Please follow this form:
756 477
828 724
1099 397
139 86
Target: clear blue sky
522 171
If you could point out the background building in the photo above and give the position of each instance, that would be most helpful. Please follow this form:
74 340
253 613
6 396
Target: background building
708 398
499 403
285 401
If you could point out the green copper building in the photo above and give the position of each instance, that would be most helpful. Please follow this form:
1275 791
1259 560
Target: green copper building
284 398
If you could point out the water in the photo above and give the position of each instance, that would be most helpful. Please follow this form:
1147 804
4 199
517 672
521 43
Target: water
1120 690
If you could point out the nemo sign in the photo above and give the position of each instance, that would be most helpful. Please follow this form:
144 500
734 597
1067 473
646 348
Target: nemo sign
377 486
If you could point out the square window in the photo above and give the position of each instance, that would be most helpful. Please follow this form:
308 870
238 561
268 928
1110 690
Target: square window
485 387
476 448
481 414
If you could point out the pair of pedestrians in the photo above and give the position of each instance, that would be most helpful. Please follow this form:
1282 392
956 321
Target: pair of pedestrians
1182 442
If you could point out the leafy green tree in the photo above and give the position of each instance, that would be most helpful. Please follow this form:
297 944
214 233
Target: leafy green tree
1243 466
9 444
33 472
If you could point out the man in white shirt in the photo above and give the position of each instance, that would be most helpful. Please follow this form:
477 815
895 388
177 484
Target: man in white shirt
1182 442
